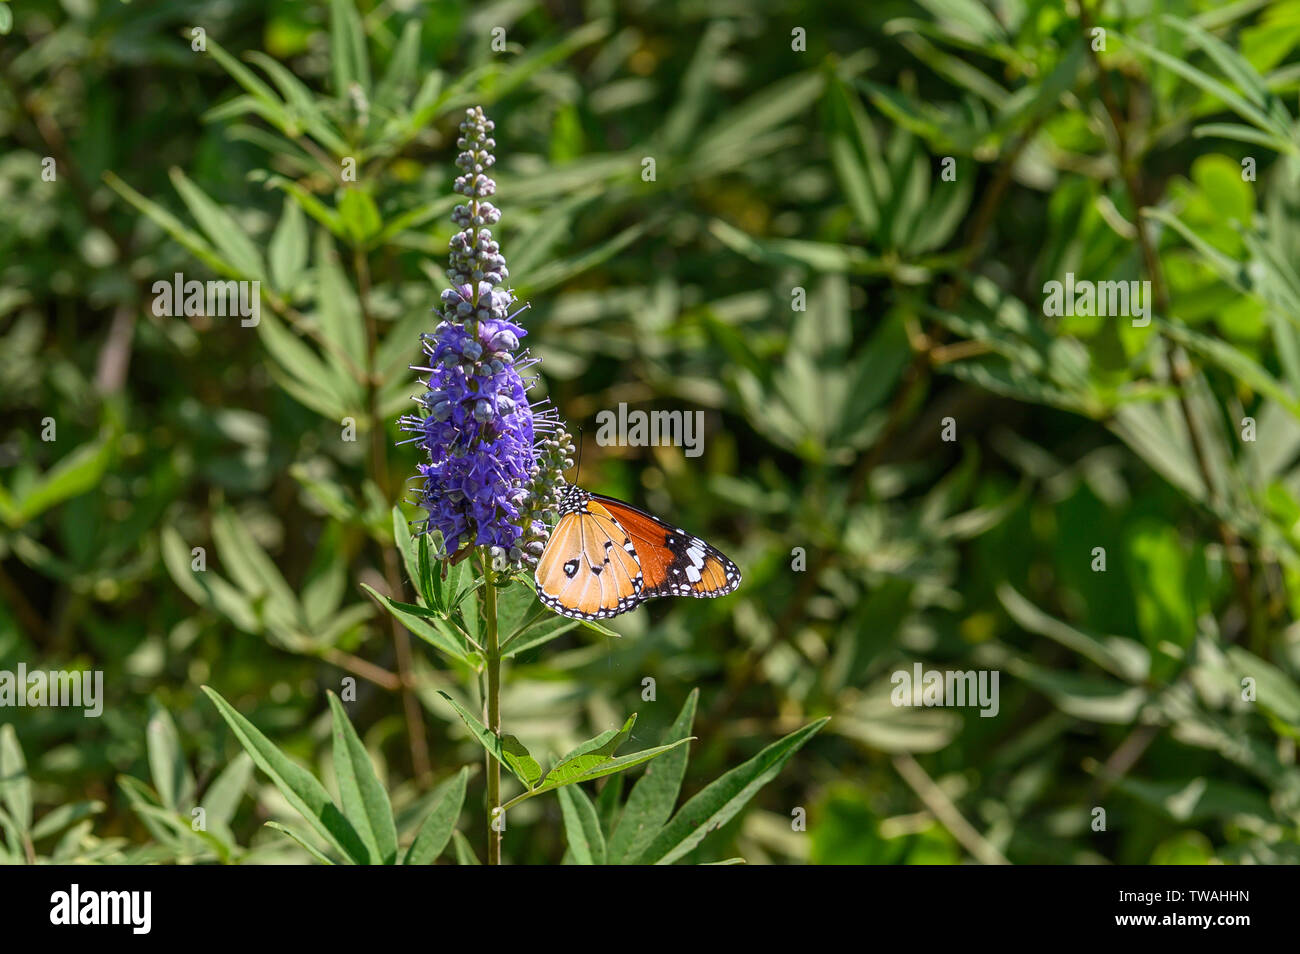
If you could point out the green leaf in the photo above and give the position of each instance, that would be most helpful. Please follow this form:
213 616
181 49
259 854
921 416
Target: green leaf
582 826
854 154
313 206
184 236
321 387
1118 655
301 840
692 100
299 787
511 754
1236 66
540 632
365 803
1277 692
593 751
437 828
288 248
402 67
719 802
74 475
819 256
1083 696
441 635
609 803
253 570
651 801
601 768
406 546
464 853
245 77
348 54
360 215
1043 96
973 17
1239 104
1199 800
558 271
15 786
221 229
526 768
1241 133
64 815
1163 576
206 588
427 581
222 797
727 140
171 773
303 107
337 308
1235 361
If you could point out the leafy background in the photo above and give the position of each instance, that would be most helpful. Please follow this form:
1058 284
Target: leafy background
868 542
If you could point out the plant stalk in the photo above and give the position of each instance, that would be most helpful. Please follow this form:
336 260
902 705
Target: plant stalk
492 650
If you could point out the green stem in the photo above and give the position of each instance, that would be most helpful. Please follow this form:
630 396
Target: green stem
493 702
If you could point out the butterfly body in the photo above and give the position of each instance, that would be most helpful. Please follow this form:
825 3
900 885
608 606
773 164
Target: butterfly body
605 557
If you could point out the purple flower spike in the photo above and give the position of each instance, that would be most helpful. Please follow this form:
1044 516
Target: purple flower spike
495 461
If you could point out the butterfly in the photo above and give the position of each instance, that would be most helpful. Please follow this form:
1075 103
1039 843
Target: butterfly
606 557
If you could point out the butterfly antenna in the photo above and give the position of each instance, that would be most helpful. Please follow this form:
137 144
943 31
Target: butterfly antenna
577 472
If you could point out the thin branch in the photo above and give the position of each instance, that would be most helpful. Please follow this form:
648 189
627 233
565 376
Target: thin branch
379 472
941 806
1180 370
366 670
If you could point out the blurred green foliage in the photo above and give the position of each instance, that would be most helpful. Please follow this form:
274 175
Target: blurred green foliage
912 174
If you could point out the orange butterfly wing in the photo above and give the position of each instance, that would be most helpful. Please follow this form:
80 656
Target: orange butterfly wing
605 557
589 569
673 562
